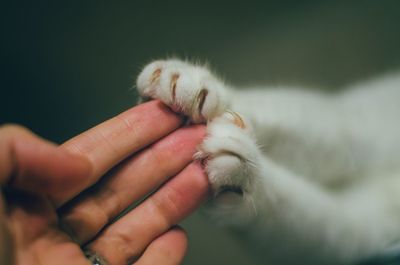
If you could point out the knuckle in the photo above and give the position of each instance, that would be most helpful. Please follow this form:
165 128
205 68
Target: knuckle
167 205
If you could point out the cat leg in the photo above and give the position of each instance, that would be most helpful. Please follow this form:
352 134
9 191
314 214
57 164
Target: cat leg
308 132
321 226
280 212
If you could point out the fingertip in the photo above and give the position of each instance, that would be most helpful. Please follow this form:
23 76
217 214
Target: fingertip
185 192
196 132
179 236
182 141
199 176
155 108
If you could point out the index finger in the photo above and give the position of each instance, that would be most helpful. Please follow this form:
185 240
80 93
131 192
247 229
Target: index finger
112 141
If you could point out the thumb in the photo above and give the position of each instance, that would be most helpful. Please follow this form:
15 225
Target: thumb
33 164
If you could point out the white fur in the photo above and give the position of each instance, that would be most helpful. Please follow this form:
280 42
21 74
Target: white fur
320 173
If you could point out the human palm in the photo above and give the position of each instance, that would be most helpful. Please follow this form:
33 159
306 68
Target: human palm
60 199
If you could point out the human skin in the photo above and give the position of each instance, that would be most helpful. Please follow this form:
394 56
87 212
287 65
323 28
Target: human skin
120 161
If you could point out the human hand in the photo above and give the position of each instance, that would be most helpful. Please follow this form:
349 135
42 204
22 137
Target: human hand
43 187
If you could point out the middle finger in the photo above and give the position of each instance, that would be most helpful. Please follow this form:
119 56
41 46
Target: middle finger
136 177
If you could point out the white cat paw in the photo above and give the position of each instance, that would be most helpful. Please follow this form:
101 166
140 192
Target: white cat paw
231 159
186 88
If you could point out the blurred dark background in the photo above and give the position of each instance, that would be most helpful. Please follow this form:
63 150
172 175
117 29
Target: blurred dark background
66 66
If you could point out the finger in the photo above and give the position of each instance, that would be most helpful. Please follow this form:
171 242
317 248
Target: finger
168 249
128 237
36 165
135 178
110 142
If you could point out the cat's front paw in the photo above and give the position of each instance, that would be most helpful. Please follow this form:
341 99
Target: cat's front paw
231 159
186 88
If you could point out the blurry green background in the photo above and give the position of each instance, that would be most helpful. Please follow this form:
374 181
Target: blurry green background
66 66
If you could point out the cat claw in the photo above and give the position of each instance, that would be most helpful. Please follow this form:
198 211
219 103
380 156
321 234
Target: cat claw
235 118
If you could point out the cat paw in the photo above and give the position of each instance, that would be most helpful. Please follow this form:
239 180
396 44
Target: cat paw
231 158
186 88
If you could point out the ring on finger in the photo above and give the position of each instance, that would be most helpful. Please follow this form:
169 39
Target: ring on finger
94 258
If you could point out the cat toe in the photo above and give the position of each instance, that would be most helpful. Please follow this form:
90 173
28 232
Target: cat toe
186 88
230 154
